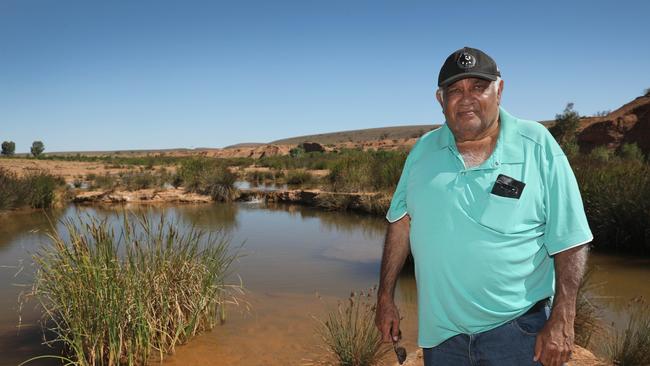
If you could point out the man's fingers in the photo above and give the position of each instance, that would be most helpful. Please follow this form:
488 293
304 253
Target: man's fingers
538 349
395 330
385 331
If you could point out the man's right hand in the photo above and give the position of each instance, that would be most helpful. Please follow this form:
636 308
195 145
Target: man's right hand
387 319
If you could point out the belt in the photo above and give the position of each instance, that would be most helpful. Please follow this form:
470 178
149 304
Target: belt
538 306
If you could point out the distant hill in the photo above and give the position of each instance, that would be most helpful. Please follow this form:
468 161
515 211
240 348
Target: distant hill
245 144
134 152
369 134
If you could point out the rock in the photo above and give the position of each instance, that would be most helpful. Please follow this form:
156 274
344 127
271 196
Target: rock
141 196
312 147
628 124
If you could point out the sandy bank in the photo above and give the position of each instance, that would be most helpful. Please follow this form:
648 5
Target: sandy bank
580 357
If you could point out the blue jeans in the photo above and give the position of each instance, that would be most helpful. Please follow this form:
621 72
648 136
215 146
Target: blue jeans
511 344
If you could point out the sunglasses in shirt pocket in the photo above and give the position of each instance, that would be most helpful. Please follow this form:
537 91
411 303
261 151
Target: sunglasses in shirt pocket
502 205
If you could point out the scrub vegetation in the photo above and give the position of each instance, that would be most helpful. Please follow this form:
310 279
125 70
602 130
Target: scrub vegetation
349 334
369 171
129 296
615 188
208 176
35 189
616 196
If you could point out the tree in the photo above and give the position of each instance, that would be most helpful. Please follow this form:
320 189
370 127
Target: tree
8 148
566 126
37 148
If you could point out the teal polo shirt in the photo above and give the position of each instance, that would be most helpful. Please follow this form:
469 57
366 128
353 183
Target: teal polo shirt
481 259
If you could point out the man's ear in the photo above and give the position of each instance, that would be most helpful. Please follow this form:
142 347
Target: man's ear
499 90
439 97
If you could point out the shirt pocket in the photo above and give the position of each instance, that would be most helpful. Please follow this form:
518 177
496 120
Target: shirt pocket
500 213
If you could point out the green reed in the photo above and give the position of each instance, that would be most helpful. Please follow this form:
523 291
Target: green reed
631 347
588 318
349 333
125 297
36 189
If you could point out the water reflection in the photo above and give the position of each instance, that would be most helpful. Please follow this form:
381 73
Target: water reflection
291 251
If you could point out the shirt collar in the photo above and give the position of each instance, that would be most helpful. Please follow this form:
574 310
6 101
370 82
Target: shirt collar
507 150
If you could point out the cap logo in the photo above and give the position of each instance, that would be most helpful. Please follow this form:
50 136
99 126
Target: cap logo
466 61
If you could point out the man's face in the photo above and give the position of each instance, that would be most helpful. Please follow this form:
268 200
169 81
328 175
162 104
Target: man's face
470 106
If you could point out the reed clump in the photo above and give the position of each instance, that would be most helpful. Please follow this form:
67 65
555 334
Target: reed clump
299 177
631 347
35 189
349 333
208 176
588 318
366 171
124 297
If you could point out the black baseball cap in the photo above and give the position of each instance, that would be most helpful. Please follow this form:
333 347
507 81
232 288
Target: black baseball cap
465 63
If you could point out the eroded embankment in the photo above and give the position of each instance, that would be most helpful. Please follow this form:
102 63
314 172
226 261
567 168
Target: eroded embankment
373 203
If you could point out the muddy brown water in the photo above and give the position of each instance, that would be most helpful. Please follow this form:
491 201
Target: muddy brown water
298 262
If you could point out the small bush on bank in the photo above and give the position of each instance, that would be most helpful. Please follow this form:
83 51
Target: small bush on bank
135 180
601 153
349 333
208 176
588 318
631 152
35 189
38 189
366 171
259 176
105 181
299 176
631 347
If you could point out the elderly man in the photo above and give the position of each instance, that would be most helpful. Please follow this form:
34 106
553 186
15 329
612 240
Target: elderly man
490 209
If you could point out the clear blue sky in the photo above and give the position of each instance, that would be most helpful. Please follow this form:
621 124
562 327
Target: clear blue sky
105 75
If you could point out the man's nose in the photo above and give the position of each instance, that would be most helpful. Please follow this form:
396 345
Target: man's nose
466 97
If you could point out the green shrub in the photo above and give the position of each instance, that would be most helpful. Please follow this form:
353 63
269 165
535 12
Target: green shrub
259 176
366 171
631 152
219 183
38 188
571 148
124 298
299 176
349 333
631 347
601 153
35 190
588 318
566 125
208 176
10 190
140 180
616 196
105 181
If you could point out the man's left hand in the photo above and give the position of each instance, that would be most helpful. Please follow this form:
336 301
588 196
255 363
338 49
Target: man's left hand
554 342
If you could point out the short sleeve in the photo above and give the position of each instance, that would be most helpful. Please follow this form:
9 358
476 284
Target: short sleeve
398 208
566 221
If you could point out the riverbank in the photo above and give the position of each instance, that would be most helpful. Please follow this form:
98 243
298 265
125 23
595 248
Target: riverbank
371 203
580 357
